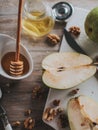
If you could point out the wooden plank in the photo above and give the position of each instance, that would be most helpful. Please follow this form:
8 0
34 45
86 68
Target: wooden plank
8 7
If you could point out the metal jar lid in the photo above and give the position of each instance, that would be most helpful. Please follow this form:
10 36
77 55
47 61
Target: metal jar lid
62 11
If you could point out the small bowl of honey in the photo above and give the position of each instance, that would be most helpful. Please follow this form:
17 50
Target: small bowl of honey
7 50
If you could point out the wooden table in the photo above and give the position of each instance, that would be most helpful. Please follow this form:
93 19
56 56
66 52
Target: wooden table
17 95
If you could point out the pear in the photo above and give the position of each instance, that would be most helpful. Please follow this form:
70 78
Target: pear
76 120
65 60
89 108
64 70
83 113
91 24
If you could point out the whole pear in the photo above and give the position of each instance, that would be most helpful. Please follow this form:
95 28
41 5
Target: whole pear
91 24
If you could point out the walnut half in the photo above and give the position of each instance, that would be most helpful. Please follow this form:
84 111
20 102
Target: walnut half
53 39
74 30
50 113
29 123
16 123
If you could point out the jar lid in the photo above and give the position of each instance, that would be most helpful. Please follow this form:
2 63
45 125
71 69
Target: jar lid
62 11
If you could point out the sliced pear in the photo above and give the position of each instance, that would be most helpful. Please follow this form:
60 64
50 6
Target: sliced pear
83 113
69 77
66 69
65 60
89 108
76 120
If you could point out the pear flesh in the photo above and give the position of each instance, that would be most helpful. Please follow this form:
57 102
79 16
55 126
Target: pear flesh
65 59
69 78
66 69
76 120
83 113
89 108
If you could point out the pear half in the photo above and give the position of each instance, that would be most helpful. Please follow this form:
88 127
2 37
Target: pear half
66 69
65 59
83 113
76 120
89 108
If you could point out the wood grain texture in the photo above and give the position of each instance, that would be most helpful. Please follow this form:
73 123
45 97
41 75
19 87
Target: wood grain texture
17 95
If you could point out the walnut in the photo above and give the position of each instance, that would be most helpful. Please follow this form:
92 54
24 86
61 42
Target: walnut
74 30
59 110
28 112
37 92
56 102
49 114
73 92
29 123
53 39
63 120
16 123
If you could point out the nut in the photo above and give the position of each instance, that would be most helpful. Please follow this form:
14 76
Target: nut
49 114
53 39
37 92
28 112
56 102
29 123
73 92
74 30
63 120
16 123
59 110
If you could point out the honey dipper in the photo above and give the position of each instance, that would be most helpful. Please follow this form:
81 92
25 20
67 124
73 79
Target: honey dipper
16 67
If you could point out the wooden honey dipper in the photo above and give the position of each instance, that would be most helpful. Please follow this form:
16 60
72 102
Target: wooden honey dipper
16 67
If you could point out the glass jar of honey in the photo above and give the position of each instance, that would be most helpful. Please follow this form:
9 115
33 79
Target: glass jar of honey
38 19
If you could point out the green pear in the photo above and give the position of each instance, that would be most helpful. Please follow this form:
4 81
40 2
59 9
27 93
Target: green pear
91 24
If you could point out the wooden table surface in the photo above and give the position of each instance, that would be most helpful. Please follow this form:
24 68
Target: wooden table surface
17 96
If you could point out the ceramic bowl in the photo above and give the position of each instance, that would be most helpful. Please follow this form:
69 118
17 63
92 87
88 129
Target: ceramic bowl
8 44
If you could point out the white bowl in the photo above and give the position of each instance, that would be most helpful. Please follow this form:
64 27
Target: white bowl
7 44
